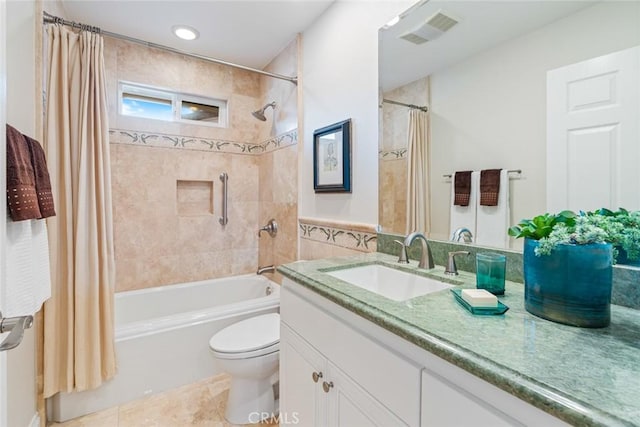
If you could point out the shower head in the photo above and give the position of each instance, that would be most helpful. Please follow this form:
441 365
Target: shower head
259 114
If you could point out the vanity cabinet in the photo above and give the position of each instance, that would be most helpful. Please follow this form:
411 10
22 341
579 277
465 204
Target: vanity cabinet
339 369
332 375
315 392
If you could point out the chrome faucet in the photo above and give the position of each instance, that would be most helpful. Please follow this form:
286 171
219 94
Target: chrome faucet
271 228
426 259
403 258
266 269
452 269
463 233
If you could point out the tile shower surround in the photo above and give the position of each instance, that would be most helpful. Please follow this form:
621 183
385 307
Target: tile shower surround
148 229
154 244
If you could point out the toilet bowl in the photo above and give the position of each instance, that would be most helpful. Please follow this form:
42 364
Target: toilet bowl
249 351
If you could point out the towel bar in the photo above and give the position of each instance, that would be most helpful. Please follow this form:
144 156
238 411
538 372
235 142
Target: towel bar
518 171
16 325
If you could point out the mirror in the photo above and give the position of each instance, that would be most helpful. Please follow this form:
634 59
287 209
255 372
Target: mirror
485 82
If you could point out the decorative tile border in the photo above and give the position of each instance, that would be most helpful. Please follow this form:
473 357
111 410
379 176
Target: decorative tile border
398 154
151 139
359 237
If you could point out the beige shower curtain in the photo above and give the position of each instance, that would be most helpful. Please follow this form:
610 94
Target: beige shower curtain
418 176
78 319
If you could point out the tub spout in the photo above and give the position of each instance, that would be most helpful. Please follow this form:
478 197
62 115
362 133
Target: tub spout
266 269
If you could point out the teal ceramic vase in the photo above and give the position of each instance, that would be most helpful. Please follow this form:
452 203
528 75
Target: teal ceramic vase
572 285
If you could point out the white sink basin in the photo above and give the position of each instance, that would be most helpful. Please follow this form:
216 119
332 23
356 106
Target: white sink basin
388 282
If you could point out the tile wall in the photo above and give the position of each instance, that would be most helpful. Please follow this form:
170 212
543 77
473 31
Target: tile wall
165 176
321 238
279 167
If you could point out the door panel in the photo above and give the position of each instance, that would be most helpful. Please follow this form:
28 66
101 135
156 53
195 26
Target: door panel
300 396
593 128
351 406
442 401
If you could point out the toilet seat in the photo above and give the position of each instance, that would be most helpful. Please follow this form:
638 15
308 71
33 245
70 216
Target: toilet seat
253 337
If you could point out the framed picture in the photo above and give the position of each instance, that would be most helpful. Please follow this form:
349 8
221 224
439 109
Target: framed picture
332 158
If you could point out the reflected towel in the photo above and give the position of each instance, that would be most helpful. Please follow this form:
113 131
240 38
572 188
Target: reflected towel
465 216
489 187
493 221
22 200
462 188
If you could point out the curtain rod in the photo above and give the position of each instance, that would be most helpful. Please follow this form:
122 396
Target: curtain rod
50 19
417 107
518 171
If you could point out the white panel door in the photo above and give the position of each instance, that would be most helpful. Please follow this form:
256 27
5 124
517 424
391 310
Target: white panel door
300 398
3 213
593 133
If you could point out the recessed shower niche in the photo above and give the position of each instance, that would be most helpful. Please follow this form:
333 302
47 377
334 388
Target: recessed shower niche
194 198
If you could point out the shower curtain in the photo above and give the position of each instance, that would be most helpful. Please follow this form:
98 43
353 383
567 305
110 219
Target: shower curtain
418 176
78 319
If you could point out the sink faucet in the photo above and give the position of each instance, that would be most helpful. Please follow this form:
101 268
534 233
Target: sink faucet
266 269
426 259
452 269
463 233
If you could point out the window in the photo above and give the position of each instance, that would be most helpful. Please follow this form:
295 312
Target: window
152 103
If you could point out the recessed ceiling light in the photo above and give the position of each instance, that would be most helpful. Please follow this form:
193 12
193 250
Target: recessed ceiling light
185 33
393 22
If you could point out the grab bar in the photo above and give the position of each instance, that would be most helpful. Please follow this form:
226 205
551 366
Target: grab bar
224 219
16 325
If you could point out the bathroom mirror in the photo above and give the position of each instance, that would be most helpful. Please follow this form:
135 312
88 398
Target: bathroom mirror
483 74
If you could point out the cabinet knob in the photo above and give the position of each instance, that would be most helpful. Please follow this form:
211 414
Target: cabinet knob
326 386
316 376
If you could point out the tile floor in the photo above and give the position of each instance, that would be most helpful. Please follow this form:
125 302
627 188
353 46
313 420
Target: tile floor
201 404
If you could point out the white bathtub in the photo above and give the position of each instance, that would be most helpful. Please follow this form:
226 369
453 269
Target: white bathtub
162 338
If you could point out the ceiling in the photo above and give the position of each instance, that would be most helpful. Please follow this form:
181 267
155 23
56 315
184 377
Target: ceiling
245 32
482 25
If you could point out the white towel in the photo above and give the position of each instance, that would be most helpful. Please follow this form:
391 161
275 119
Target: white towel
465 216
28 274
493 221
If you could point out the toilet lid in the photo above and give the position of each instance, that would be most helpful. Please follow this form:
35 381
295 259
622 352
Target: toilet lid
248 335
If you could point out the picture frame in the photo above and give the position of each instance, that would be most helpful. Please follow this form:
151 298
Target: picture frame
332 158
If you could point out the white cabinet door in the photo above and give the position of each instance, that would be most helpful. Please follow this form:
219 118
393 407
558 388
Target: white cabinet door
447 405
349 405
593 129
301 401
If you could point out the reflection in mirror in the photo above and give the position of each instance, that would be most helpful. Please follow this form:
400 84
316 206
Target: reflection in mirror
497 84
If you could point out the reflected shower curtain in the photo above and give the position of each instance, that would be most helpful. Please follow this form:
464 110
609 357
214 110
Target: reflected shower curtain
418 176
78 319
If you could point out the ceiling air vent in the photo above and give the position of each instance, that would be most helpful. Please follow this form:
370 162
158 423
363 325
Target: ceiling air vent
432 28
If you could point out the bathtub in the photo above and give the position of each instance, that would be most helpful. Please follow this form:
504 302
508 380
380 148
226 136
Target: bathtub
162 338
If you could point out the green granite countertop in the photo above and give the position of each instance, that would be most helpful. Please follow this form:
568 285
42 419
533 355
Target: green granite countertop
583 376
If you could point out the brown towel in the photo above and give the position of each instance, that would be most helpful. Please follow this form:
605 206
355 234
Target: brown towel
22 200
41 173
489 187
462 188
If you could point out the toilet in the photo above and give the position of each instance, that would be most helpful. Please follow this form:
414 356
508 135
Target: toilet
249 351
